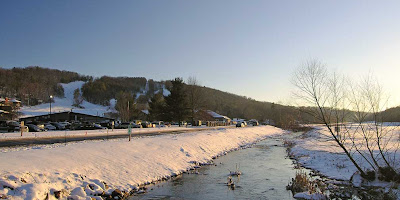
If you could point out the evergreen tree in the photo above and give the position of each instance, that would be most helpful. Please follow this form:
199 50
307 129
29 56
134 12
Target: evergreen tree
157 107
77 98
176 102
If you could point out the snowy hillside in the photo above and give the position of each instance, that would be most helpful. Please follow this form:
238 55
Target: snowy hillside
65 104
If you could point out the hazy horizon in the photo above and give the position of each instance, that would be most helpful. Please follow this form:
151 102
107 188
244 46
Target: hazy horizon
246 48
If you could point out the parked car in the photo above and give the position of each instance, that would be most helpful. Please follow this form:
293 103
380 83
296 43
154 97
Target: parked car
14 126
133 125
182 123
98 126
106 124
4 127
84 126
9 126
67 125
253 122
38 124
58 125
241 124
123 125
126 125
158 123
34 128
49 127
147 125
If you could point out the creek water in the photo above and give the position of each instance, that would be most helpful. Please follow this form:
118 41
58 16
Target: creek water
265 173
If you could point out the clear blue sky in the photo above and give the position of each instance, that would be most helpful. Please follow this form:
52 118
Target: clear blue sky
245 47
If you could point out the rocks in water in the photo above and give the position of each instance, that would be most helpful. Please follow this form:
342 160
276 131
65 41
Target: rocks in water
230 183
235 173
60 193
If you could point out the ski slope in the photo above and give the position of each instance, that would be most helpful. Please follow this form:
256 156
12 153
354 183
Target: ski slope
65 104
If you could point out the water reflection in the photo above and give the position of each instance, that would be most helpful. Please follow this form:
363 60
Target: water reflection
265 174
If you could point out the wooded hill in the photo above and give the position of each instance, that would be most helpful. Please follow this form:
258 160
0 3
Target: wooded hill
102 90
34 85
391 114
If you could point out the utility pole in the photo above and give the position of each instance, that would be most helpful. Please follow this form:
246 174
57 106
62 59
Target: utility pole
128 111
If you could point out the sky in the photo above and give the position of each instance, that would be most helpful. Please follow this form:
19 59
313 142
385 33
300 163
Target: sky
249 48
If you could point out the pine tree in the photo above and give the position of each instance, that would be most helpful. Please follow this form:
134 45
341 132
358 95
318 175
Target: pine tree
157 107
77 98
176 102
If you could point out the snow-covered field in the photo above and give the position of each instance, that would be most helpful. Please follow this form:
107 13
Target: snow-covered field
317 150
82 168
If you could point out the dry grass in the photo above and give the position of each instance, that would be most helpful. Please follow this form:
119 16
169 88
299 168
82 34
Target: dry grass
303 182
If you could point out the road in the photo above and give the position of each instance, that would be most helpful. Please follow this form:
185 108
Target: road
54 140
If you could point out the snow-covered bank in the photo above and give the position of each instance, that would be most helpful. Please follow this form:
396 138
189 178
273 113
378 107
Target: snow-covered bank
83 167
317 150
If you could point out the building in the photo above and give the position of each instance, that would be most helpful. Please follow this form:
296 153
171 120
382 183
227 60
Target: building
9 108
218 117
66 116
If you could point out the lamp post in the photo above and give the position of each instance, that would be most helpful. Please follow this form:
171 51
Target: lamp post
51 98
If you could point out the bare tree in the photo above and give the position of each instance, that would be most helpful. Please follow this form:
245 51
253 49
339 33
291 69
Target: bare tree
352 114
194 96
369 101
323 92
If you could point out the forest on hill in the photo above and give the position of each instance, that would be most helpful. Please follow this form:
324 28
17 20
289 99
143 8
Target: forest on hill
34 85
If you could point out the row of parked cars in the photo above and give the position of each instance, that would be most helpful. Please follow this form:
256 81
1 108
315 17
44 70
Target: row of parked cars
141 124
76 125
12 126
49 126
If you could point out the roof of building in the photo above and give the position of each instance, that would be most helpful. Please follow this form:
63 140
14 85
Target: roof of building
64 113
216 115
3 111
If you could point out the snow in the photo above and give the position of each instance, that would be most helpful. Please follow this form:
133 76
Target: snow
306 195
65 104
216 115
166 92
98 132
317 150
86 168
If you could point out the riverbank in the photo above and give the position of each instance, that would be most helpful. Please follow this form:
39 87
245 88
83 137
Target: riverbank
88 169
316 150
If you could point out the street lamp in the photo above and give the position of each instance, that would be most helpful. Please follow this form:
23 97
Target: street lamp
51 97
